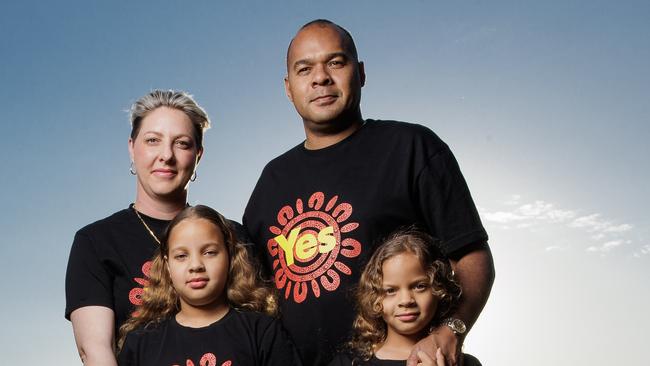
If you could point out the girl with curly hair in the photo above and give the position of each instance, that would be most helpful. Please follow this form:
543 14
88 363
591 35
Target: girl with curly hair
406 289
205 303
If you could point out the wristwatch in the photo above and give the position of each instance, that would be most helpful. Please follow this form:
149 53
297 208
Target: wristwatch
456 325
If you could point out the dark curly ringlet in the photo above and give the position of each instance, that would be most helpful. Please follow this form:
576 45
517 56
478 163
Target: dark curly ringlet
245 289
369 328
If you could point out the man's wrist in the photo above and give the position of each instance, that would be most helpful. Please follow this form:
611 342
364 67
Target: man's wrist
456 325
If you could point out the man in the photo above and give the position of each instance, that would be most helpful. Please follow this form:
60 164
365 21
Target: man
318 210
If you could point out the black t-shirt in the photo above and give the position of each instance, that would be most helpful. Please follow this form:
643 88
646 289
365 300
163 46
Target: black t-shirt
344 359
329 209
238 339
109 263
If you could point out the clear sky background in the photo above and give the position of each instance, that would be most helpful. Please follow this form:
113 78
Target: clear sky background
546 105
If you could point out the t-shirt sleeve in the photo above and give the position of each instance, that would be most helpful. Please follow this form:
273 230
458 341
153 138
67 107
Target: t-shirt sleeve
276 348
87 282
446 203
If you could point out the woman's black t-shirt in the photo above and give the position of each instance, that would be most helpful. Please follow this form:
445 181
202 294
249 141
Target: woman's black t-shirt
109 263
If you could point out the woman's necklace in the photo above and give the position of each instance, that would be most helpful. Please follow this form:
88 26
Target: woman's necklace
145 225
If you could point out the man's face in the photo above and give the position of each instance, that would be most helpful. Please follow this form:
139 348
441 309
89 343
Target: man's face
324 79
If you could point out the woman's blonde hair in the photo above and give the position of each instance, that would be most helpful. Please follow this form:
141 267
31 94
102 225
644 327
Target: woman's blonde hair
174 99
245 289
369 328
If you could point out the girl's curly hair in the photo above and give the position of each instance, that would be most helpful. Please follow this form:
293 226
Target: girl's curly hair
244 288
369 328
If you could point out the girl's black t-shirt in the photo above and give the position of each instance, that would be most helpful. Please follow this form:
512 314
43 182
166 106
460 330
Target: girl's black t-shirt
345 359
240 338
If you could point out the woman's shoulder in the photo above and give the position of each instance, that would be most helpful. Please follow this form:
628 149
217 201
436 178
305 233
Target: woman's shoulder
108 223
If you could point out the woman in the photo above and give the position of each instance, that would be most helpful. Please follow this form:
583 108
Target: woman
110 259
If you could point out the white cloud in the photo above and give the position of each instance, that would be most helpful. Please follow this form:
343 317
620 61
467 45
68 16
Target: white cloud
594 223
541 216
556 248
606 247
536 211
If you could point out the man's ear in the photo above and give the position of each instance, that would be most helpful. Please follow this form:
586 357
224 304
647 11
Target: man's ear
362 73
287 88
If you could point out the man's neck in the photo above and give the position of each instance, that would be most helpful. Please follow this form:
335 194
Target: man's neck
319 139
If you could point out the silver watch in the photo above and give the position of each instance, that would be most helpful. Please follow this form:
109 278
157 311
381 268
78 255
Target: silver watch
456 325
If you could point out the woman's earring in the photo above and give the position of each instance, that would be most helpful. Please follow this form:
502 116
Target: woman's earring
132 169
193 177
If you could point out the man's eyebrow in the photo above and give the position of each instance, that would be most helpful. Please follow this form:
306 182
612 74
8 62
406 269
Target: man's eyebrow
329 56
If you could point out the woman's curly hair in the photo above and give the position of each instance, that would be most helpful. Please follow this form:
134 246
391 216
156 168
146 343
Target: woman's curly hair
369 329
245 289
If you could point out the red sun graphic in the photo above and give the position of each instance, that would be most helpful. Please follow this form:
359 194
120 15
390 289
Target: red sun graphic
308 244
135 295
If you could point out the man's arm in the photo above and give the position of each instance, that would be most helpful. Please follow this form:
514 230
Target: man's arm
474 272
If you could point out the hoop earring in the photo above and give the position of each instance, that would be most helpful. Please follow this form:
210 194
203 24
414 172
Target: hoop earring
193 177
132 169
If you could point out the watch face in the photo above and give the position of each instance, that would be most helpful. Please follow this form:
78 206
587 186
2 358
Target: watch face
459 326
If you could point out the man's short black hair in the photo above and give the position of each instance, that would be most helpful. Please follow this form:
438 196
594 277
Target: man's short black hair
348 42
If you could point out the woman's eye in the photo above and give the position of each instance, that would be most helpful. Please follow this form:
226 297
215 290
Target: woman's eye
211 253
183 144
389 291
151 140
180 257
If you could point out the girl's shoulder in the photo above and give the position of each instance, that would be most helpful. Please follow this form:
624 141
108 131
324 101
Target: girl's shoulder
253 319
150 329
349 359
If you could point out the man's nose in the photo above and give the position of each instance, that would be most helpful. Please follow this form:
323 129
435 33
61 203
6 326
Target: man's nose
321 75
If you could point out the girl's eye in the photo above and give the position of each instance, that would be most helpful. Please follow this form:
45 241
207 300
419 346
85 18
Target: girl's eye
421 286
180 257
211 253
389 291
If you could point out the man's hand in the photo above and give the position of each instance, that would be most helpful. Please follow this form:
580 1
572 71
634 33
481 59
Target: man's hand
442 340
425 360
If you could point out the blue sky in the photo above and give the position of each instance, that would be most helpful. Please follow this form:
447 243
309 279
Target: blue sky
545 105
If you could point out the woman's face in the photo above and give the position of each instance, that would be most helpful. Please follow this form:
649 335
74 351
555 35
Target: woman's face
164 154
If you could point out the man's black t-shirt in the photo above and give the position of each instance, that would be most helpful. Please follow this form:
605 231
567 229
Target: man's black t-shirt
109 263
238 339
318 215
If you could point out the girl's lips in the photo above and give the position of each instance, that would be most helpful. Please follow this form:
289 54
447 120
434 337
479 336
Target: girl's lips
409 317
198 283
